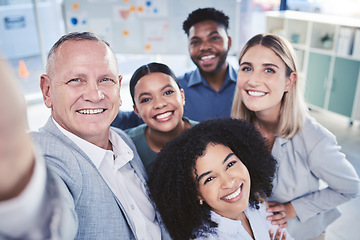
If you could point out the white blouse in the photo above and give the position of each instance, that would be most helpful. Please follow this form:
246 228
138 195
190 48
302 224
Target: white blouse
229 229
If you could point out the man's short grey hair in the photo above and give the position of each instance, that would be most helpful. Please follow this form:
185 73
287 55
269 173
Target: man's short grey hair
75 36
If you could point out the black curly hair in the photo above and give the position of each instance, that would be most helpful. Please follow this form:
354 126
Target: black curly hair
174 189
203 14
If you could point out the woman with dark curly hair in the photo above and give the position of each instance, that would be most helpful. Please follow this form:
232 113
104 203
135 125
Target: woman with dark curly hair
211 182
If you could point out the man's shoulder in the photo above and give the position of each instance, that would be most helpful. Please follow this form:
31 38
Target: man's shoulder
186 80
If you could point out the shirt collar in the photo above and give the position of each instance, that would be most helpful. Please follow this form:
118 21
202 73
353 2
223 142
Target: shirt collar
96 154
226 225
197 78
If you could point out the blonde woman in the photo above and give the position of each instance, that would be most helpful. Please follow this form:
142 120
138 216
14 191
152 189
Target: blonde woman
269 95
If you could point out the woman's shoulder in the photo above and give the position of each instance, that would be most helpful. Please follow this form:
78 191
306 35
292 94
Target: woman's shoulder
312 131
137 131
192 122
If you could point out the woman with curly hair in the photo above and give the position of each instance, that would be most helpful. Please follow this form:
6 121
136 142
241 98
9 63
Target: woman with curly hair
269 95
211 182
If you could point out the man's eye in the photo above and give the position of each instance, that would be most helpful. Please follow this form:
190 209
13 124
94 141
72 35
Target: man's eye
215 38
74 80
107 80
194 42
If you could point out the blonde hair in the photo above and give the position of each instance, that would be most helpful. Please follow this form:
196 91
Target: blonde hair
293 108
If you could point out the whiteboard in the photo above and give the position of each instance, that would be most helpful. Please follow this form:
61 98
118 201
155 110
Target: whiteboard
143 26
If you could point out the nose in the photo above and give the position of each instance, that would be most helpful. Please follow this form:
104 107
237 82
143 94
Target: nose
227 181
93 93
159 103
254 79
205 46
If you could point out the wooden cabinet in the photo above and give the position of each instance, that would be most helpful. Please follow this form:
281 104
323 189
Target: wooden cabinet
328 55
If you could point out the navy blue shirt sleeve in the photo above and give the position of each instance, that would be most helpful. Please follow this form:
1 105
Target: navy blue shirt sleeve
126 119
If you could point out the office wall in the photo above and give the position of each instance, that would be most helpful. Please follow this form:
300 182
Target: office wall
18 29
141 26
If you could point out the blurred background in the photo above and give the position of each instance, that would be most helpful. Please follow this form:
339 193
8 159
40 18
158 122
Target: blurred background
324 33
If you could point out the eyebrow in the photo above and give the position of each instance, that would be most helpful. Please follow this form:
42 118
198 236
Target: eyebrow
208 172
264 64
211 33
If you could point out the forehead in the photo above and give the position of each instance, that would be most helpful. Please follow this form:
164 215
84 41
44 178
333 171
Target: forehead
152 80
206 27
85 53
214 153
259 53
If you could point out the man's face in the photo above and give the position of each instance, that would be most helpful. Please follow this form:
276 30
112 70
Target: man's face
208 46
83 89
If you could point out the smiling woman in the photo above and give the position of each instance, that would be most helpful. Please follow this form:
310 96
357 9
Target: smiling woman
212 181
159 102
269 95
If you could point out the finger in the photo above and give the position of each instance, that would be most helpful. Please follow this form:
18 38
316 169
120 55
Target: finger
271 204
276 208
271 233
283 225
277 216
280 222
278 234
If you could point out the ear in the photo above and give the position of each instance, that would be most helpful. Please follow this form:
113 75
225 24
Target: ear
201 200
182 96
290 81
120 79
45 86
229 42
136 111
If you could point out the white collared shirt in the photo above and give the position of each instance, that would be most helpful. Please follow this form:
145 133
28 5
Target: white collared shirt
114 166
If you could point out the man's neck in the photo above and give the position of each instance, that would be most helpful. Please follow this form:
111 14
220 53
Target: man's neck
102 142
217 78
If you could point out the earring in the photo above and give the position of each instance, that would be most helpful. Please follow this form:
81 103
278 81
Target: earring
201 202
184 103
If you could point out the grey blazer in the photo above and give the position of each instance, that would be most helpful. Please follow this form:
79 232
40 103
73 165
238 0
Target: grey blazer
99 214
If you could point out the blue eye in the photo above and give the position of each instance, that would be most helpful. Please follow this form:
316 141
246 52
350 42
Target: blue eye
269 70
107 80
246 69
74 80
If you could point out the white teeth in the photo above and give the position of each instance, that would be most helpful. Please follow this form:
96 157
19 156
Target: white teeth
207 57
91 111
234 195
256 94
164 115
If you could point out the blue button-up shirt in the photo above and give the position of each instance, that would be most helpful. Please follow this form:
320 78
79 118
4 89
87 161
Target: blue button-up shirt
202 101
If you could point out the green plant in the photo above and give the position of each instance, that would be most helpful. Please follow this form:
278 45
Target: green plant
327 37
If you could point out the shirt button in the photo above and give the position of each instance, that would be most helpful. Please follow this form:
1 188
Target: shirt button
132 206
